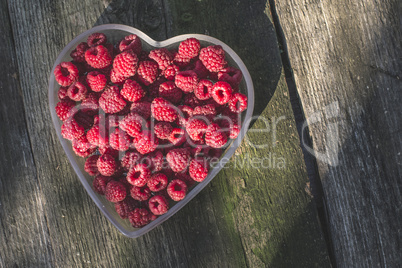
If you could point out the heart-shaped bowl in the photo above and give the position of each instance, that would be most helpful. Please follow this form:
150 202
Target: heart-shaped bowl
114 33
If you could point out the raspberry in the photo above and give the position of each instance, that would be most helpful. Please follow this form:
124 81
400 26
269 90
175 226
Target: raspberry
96 39
171 71
77 91
200 70
229 122
139 175
189 48
162 57
213 58
157 182
125 64
90 104
186 81
71 129
145 142
66 73
198 169
177 137
147 72
141 108
131 42
98 57
185 113
140 193
62 93
100 182
106 165
178 159
130 159
78 54
163 110
119 140
111 101
63 109
170 92
133 124
205 110
117 78
123 208
231 75
215 137
238 103
115 191
108 150
196 128
221 92
98 135
185 177
177 189
96 81
162 130
158 205
82 147
203 89
156 161
132 91
90 165
140 217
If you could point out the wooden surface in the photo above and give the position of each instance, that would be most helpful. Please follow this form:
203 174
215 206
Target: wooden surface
346 59
246 217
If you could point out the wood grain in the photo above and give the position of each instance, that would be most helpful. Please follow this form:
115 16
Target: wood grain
346 59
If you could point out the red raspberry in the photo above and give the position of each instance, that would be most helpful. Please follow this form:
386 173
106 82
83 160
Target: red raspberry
170 72
158 205
139 175
170 92
126 64
116 77
106 165
198 169
181 61
111 101
66 73
90 104
200 70
231 75
132 91
90 165
115 191
238 103
96 81
100 182
221 92
205 111
196 128
141 108
131 42
82 147
177 137
145 142
162 57
62 93
177 189
98 57
133 124
78 54
186 81
189 48
147 72
96 39
77 91
71 129
163 110
64 108
178 159
157 182
162 130
119 140
229 122
140 217
203 89
215 137
130 159
185 113
155 160
123 208
140 193
213 58
98 135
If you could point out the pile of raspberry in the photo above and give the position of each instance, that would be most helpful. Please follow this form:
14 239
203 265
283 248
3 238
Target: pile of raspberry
149 123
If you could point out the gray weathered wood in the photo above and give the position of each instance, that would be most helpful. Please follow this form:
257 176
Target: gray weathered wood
346 58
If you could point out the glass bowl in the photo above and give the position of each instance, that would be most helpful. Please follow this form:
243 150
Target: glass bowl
116 32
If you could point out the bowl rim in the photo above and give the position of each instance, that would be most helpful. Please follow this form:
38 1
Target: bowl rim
157 44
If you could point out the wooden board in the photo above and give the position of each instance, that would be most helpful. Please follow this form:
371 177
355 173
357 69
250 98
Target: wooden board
346 60
245 217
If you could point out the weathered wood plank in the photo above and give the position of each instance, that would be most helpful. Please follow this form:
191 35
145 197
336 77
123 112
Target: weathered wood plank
346 58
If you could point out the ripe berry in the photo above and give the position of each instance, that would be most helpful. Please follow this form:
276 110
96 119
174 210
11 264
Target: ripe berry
178 159
82 147
162 57
145 142
98 135
198 169
133 124
66 73
170 92
140 217
214 136
141 108
221 92
177 137
125 64
111 101
100 182
96 39
189 48
213 58
115 191
147 72
177 189
140 193
131 42
77 91
238 103
98 57
171 71
90 165
139 175
186 81
158 205
162 130
78 54
130 159
119 140
196 128
96 81
63 109
106 165
203 89
71 129
163 110
231 75
157 182
132 91
123 208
